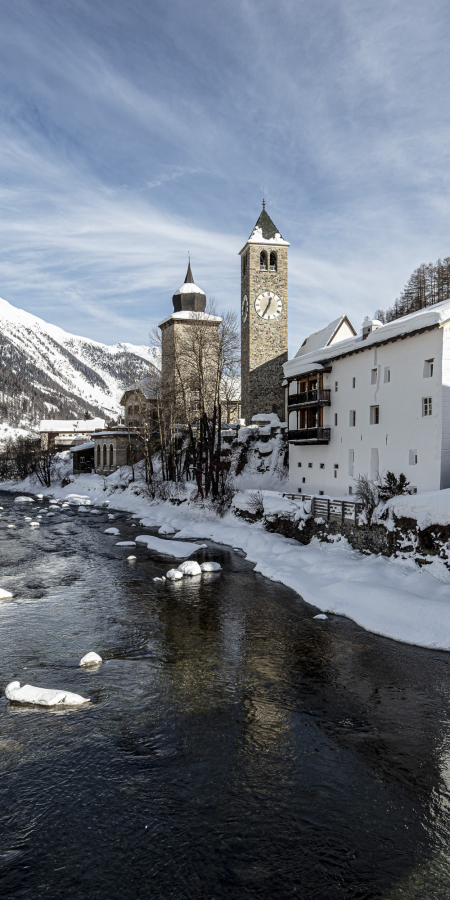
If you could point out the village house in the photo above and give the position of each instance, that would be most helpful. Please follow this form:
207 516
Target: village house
371 403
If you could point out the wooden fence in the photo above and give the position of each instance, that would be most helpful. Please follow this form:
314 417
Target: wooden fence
323 507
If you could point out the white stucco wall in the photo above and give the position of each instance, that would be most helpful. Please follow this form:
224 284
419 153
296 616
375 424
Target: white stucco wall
402 427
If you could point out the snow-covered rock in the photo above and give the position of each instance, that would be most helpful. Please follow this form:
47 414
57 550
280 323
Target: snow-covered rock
11 526
166 529
211 567
190 567
174 575
5 595
34 524
126 544
178 549
320 616
160 579
91 659
49 515
111 531
23 500
130 558
42 696
27 518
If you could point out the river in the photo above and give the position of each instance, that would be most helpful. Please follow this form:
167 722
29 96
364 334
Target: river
234 746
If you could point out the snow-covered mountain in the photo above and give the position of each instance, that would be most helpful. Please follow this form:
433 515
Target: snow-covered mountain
47 373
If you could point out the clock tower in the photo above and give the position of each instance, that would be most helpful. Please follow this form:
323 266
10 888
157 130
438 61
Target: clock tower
264 319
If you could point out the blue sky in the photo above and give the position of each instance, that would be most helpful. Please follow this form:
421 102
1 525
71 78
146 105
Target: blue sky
132 133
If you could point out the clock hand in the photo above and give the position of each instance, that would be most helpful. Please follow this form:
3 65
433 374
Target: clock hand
267 307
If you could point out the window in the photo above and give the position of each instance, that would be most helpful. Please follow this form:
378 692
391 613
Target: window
82 459
352 418
273 261
413 457
245 263
299 465
335 386
413 490
263 261
374 376
303 480
428 368
309 465
322 465
374 415
105 462
335 419
299 490
350 490
387 374
353 382
98 456
335 473
336 465
427 406
111 455
321 493
351 462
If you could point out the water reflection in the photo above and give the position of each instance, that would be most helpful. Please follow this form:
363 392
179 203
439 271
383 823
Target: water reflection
234 747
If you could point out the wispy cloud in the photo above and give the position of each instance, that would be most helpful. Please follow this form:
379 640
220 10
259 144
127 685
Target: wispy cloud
127 141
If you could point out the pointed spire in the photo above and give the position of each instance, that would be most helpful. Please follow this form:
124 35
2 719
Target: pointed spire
264 204
189 276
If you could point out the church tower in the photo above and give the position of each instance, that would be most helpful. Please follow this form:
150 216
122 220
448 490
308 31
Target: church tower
264 319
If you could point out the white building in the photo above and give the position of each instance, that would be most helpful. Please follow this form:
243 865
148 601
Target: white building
371 403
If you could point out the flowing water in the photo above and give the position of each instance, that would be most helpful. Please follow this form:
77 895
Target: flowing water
234 747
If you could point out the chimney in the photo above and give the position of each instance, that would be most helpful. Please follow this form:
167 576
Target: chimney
370 325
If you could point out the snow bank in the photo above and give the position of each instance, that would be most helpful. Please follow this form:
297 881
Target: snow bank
166 529
5 595
427 509
42 696
178 549
91 659
111 531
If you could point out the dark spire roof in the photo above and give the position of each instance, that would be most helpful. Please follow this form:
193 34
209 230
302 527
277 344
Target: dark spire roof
268 229
189 277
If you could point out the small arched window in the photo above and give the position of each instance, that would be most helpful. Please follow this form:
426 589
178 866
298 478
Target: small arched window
105 460
263 261
111 455
98 456
273 261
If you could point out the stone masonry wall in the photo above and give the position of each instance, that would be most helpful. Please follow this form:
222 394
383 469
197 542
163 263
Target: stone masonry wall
264 343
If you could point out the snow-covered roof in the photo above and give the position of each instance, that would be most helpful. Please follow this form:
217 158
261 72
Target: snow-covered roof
89 445
71 425
190 314
146 385
328 335
430 317
265 232
189 288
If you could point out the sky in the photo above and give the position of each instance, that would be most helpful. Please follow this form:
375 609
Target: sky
135 133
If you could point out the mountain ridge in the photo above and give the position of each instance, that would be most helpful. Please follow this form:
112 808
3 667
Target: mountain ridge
46 372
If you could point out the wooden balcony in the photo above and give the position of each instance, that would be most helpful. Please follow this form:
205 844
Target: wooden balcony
319 397
309 436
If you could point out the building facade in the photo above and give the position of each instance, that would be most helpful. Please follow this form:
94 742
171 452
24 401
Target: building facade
372 403
264 319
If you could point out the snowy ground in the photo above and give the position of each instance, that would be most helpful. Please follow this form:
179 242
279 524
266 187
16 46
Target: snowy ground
8 433
392 597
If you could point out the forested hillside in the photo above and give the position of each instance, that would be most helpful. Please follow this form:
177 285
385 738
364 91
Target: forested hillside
429 284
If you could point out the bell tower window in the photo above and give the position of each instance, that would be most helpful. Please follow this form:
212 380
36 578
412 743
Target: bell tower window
263 261
273 261
245 263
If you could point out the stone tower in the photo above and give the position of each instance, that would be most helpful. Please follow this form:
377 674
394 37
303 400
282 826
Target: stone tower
188 331
264 319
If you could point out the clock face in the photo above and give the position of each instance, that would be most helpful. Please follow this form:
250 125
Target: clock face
245 308
268 305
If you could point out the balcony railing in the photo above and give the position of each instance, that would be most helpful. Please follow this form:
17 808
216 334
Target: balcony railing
310 436
319 397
